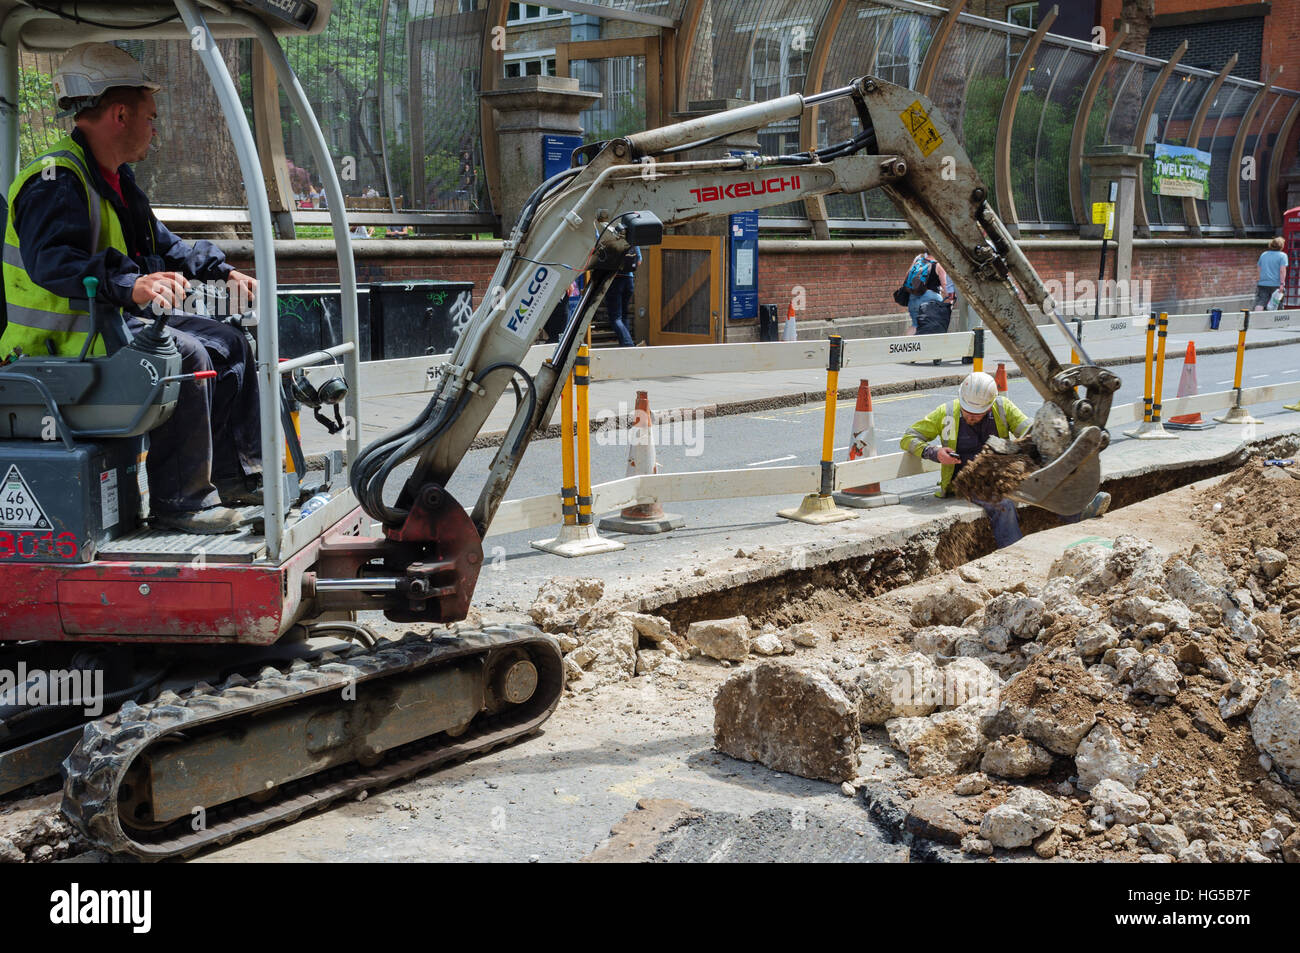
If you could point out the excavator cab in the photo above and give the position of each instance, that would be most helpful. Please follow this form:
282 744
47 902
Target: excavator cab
73 427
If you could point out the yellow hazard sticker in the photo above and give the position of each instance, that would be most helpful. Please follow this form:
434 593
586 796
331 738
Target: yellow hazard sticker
917 122
1103 213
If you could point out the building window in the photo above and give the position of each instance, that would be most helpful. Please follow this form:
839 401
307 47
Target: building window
1023 14
530 64
778 63
469 84
467 6
532 12
899 39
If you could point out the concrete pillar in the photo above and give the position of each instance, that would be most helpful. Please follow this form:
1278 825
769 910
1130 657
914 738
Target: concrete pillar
1124 166
527 108
746 141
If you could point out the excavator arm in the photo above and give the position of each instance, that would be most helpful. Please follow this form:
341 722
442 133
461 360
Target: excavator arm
586 218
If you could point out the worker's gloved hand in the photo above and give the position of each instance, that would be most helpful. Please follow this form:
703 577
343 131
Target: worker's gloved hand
944 455
162 291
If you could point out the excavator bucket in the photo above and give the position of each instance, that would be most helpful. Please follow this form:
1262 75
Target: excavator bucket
1067 484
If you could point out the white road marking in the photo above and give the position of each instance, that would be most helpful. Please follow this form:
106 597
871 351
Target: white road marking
1256 377
760 463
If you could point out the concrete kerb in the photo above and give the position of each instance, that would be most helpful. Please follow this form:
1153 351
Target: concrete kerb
799 398
924 517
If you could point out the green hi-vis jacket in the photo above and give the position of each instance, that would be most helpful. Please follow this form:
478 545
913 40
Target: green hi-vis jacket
943 423
36 314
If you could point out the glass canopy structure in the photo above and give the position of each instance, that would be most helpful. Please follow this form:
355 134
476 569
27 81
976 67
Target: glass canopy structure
396 85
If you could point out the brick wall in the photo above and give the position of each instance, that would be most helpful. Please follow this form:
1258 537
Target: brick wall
841 279
858 278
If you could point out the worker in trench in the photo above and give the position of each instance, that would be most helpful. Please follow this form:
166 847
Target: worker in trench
963 427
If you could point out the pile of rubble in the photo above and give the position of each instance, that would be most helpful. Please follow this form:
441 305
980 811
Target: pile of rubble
1133 706
603 643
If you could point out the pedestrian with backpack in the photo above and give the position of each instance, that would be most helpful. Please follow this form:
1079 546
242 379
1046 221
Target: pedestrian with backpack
924 282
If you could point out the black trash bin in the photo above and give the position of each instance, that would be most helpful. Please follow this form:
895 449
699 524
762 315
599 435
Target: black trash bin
768 316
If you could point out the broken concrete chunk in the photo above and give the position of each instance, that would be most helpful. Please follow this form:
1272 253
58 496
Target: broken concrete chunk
1239 698
1025 816
615 648
652 628
977 783
906 687
1020 616
1095 639
1104 755
950 606
1156 675
941 639
1016 757
1166 838
789 719
721 638
1118 801
565 602
1275 725
1271 562
949 742
964 679
1086 565
807 634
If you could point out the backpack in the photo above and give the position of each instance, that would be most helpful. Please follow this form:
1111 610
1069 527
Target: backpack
919 276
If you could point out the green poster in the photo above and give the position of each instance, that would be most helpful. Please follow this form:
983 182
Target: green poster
1181 171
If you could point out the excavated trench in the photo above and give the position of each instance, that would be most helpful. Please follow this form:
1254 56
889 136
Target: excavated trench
797 595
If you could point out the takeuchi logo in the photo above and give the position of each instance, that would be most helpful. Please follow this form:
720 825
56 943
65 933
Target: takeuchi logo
740 190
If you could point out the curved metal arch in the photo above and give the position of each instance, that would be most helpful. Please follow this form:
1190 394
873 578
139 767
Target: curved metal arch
1192 214
1038 134
1239 148
1080 132
815 206
1275 164
1002 143
937 43
1140 220
685 49
1263 129
489 73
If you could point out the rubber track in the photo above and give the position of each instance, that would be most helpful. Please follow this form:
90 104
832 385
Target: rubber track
95 768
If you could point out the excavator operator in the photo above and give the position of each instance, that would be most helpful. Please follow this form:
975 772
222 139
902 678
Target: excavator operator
76 211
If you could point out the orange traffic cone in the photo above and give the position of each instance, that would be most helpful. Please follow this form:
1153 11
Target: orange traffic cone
1001 378
788 332
864 445
644 518
1187 388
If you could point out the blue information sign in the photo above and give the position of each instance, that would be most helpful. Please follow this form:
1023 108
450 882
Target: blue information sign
557 154
742 265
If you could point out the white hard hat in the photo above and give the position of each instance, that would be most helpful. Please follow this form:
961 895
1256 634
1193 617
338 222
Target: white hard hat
92 69
978 391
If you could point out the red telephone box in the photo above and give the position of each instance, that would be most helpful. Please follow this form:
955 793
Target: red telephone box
1291 234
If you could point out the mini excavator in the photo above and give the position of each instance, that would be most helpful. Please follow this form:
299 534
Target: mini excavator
226 706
